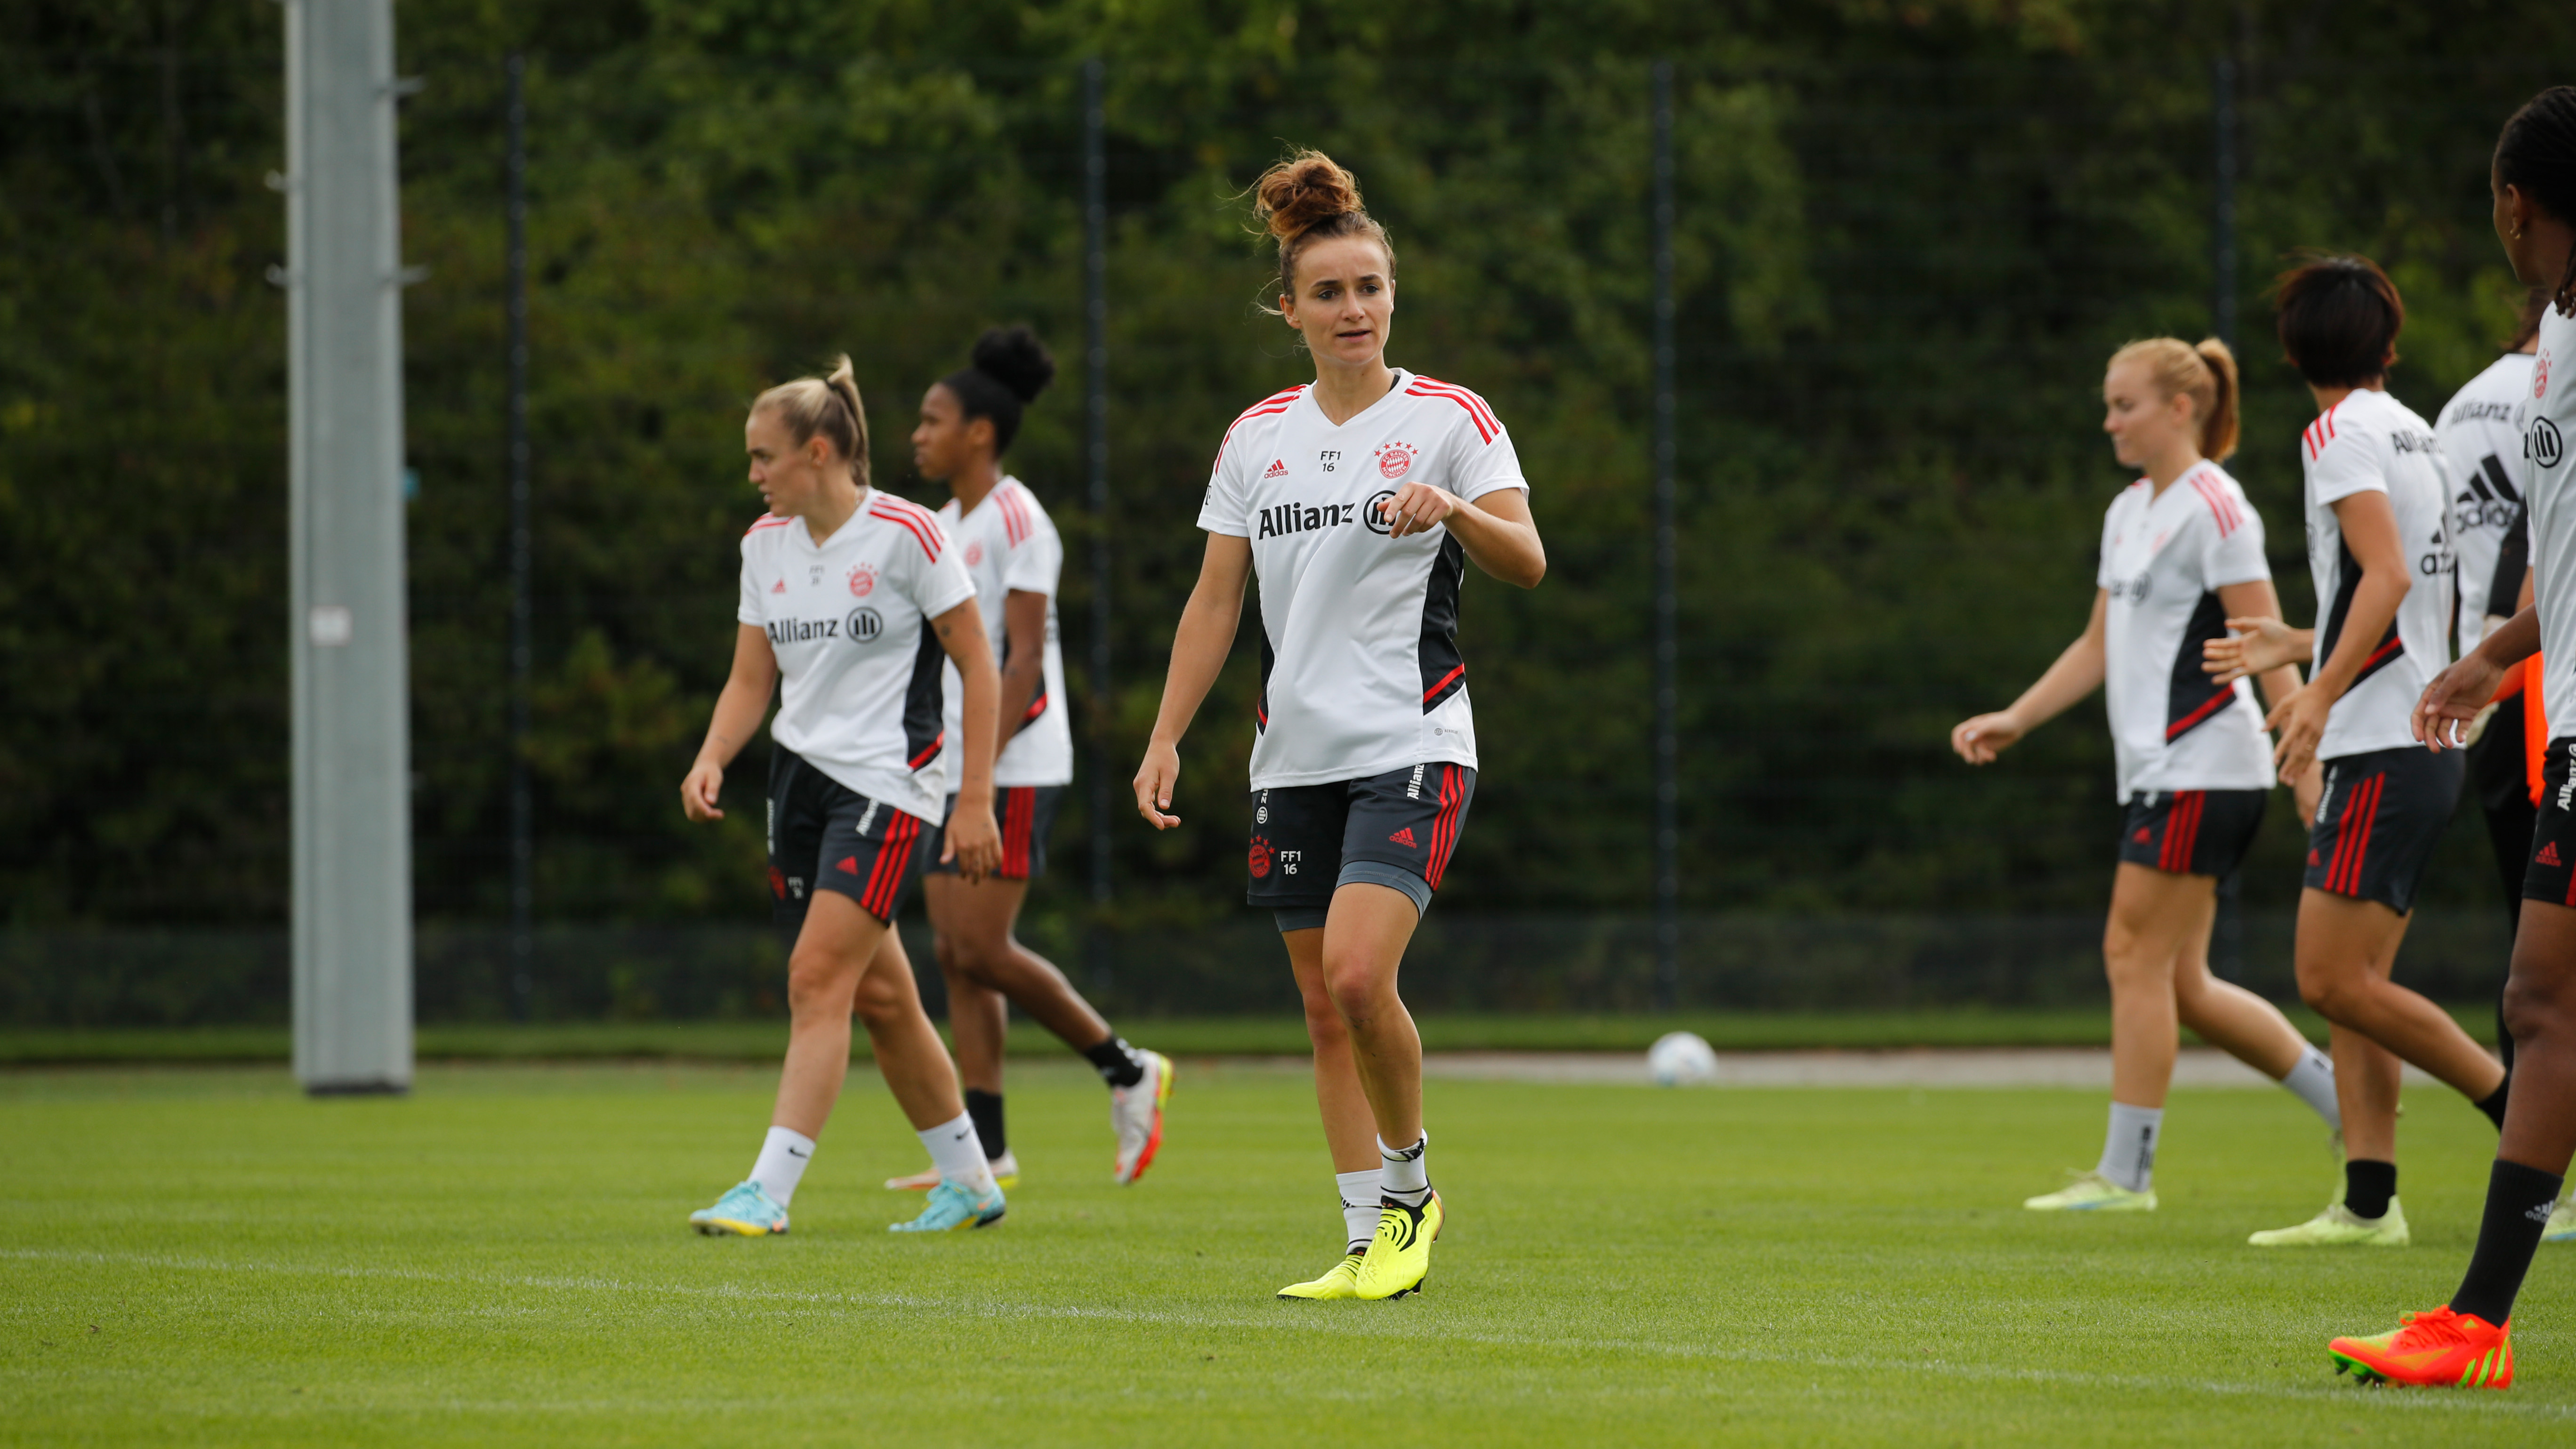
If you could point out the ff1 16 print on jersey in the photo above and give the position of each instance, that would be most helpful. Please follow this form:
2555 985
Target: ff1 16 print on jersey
1360 670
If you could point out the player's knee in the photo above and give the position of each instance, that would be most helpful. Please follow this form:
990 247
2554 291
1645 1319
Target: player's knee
2330 993
881 1000
977 960
817 981
2538 1009
1357 987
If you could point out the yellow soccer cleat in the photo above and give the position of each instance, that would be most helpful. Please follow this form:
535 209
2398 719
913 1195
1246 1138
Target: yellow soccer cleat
744 1209
2339 1227
1339 1281
1398 1260
2093 1193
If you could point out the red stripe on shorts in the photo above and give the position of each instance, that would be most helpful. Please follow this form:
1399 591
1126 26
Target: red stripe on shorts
1444 826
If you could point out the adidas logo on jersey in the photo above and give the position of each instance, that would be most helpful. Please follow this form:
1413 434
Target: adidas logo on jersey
779 587
1278 469
2548 855
1404 838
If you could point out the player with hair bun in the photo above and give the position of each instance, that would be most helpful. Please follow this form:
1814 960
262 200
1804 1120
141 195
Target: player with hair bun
968 420
2379 546
2468 1342
1357 500
2182 562
851 602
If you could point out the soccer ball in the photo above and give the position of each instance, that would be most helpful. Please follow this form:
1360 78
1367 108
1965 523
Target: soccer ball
1682 1059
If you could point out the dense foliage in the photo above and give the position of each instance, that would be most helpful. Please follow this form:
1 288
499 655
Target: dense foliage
1907 237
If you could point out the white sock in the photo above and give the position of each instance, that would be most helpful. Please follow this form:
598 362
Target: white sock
959 1155
1404 1175
2313 1080
781 1164
1358 1191
2314 1084
2129 1148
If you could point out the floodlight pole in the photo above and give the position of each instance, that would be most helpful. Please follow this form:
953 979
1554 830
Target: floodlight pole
523 826
1095 312
351 735
1667 643
2222 218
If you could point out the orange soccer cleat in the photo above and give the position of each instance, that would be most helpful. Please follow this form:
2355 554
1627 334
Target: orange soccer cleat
2436 1350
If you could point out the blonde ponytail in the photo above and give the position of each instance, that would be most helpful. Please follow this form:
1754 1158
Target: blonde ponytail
826 405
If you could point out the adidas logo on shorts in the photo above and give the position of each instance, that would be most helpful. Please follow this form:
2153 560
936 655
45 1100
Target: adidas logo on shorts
1404 838
2548 854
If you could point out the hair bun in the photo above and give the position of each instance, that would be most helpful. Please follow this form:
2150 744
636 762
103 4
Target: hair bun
1297 193
1013 357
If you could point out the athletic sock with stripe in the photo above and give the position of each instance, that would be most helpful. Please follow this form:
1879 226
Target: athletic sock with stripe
2519 1200
2129 1147
1116 1061
2312 1082
1404 1175
1358 1192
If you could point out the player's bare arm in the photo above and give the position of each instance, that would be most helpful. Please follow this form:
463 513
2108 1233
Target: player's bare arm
1496 530
1024 623
739 708
1199 647
2459 693
2370 532
973 840
2077 673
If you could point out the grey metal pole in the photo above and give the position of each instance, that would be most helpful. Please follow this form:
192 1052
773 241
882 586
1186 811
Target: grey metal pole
351 738
1095 307
523 842
1668 837
2222 228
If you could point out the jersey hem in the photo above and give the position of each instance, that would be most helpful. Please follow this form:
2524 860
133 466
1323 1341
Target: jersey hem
904 795
1339 774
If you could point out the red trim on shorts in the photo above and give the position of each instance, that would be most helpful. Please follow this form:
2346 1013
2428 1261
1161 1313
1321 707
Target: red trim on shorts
2182 831
1444 826
2344 877
894 855
1019 811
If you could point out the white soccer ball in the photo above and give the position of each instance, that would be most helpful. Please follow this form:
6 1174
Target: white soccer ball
1682 1059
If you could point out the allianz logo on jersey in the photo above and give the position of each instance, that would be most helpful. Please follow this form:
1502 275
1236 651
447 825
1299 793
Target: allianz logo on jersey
1287 518
861 625
2407 440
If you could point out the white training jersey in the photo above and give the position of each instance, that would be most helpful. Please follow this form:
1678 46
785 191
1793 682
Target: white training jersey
2372 443
2548 421
1360 670
2164 559
858 663
1009 543
2482 448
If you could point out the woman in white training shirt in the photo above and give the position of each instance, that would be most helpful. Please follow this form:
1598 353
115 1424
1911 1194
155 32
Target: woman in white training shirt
851 601
2379 548
2182 551
1015 557
1357 501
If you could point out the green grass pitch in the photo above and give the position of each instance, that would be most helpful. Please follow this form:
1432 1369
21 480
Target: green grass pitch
201 1256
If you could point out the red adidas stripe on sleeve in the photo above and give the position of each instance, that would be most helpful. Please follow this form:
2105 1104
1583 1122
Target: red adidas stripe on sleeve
1486 423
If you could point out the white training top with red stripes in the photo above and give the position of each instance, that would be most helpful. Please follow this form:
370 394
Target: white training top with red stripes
2164 559
1010 545
858 663
2372 443
1360 670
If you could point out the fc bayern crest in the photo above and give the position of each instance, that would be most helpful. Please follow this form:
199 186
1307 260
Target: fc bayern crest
2540 377
863 581
1394 460
1260 858
974 553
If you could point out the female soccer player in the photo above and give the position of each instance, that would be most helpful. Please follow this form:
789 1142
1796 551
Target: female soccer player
2379 548
1356 499
2182 551
2468 1342
1013 554
849 599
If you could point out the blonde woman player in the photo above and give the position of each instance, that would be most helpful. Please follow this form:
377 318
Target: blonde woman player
851 602
1357 500
2182 552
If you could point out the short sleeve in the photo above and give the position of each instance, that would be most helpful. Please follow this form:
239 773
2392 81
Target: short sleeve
1227 508
1035 564
2344 462
2102 554
748 611
1485 465
933 575
2231 550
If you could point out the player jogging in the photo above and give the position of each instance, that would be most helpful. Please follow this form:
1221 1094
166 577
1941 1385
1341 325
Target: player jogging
1012 552
2468 1342
2182 552
1357 500
850 602
2379 548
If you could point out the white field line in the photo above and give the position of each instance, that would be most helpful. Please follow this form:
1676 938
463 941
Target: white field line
2338 1393
2081 1067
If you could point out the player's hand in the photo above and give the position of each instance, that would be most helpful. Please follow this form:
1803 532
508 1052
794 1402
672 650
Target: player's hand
2297 723
2452 701
2259 647
1154 781
698 792
1417 508
1979 740
2303 790
972 841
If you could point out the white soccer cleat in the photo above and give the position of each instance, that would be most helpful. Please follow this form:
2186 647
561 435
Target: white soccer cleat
2091 1192
2562 1222
1136 1114
2339 1227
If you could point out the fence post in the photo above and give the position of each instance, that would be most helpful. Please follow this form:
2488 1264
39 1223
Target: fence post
1095 309
2222 218
1667 644
523 844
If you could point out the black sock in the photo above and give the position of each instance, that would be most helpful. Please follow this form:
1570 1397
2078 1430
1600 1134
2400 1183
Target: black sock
986 1110
2493 1106
2518 1202
2368 1187
1116 1061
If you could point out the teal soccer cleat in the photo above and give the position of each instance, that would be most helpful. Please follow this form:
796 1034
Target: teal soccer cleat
744 1209
950 1208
